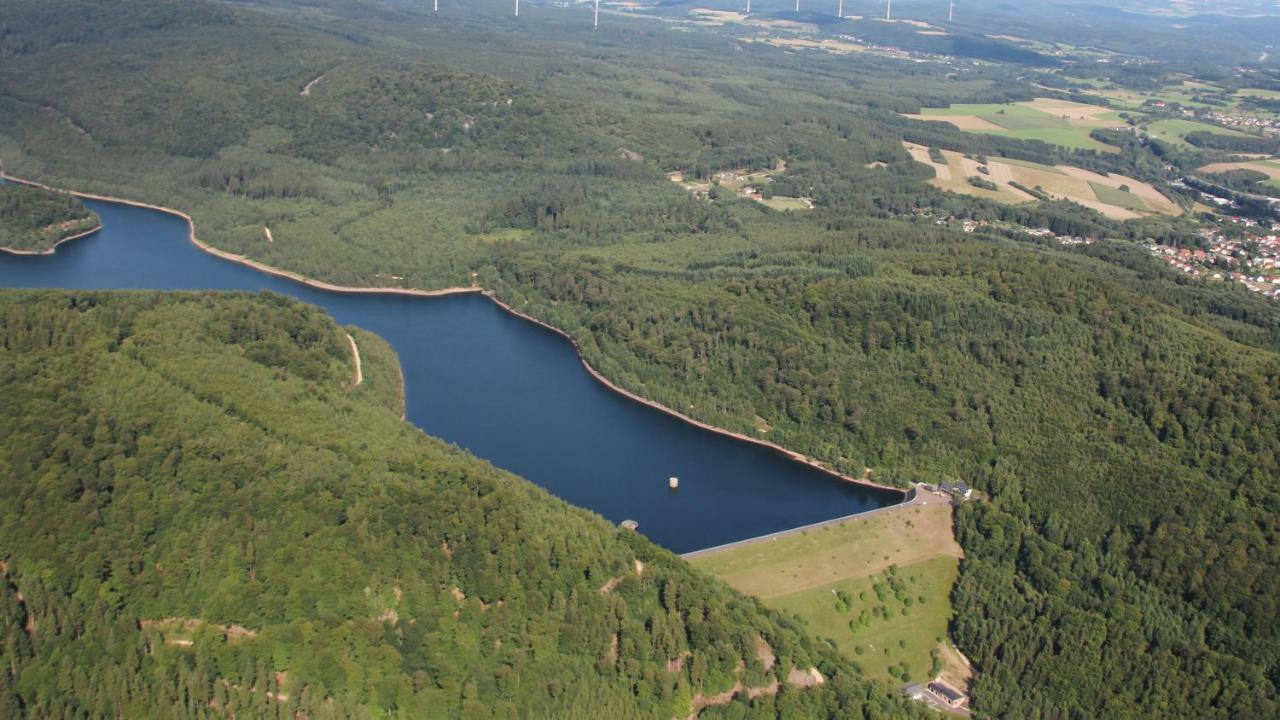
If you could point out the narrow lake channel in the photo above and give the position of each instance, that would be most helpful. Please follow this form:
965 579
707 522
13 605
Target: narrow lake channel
505 389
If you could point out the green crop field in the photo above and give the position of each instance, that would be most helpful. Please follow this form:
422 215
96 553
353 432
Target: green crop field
1175 131
1026 122
1260 93
1118 197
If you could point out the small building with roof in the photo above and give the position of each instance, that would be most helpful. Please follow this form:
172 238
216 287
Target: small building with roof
951 696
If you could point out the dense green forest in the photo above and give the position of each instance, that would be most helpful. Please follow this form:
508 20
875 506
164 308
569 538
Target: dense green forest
36 220
1125 426
201 517
1121 419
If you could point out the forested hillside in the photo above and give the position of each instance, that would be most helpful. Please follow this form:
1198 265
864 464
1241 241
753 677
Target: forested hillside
200 516
1131 448
36 220
421 147
1120 420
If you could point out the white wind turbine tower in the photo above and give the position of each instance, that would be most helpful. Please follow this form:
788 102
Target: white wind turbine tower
595 20
888 11
517 8
840 12
797 5
748 7
951 13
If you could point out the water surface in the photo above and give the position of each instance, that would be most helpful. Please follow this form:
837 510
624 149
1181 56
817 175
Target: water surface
505 389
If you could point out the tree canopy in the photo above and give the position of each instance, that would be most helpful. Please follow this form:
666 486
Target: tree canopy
201 515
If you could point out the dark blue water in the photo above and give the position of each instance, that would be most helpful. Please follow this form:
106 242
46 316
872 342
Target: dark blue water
506 390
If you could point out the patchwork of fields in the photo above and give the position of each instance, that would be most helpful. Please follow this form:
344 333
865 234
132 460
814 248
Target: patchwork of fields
1058 122
1191 94
1183 94
1115 196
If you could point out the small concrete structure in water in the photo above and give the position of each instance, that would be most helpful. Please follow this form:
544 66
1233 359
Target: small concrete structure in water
673 482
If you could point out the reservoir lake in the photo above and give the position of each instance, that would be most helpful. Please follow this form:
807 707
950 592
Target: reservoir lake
505 389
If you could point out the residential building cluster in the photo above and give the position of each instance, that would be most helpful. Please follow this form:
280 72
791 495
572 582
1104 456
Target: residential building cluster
1241 120
1233 118
1252 258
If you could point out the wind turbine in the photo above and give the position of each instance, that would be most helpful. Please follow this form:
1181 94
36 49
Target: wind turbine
888 12
595 20
840 12
748 7
951 14
517 8
797 5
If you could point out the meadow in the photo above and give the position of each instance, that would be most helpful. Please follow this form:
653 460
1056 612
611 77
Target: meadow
1184 93
893 624
1270 168
875 588
1118 197
1259 93
1176 130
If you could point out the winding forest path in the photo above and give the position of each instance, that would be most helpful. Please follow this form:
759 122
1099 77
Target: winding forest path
355 352
306 90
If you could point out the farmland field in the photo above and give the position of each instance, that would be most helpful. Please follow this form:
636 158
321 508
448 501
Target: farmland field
1175 131
1058 122
1182 94
1267 167
1098 192
1118 197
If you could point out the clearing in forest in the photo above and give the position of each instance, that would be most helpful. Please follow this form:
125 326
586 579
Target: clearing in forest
876 587
839 47
1018 181
748 184
1058 122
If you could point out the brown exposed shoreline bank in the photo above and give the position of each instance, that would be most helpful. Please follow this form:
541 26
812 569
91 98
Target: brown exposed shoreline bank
320 285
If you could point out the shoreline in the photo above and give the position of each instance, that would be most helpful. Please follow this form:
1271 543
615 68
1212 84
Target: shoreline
791 454
241 259
443 292
52 250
